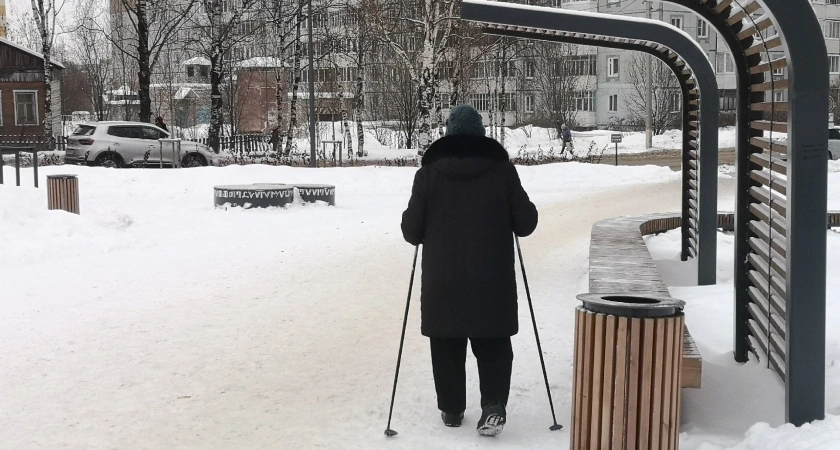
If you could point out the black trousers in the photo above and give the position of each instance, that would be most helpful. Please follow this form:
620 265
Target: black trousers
495 361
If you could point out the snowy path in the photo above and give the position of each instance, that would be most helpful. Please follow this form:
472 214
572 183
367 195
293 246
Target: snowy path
268 344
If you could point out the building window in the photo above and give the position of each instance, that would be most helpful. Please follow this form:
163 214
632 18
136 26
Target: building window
26 108
727 99
190 71
530 69
677 21
612 66
529 103
832 29
584 101
1 112
204 71
724 63
779 96
702 28
614 103
834 63
676 102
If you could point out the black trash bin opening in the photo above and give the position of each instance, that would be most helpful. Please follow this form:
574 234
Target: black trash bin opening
632 305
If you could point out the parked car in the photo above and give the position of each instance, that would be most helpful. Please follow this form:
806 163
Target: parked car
834 143
129 144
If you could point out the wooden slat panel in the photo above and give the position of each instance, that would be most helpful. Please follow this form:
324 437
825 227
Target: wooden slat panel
656 383
762 230
619 414
610 366
769 106
760 47
586 388
763 160
763 212
776 261
634 371
777 298
775 85
761 25
645 382
776 281
580 318
770 198
767 125
597 382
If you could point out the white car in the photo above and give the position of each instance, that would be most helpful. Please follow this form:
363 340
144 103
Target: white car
834 143
129 144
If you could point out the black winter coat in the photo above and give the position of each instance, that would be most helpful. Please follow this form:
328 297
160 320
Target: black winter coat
466 203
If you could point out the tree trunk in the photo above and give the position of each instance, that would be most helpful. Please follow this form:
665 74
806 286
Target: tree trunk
360 102
144 72
216 101
345 122
295 85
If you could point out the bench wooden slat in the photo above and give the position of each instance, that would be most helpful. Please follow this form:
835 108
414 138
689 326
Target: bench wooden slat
619 261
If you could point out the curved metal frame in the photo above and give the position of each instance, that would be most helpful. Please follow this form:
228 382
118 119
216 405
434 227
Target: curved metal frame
806 192
551 22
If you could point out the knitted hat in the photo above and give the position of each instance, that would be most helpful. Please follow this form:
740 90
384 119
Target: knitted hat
464 119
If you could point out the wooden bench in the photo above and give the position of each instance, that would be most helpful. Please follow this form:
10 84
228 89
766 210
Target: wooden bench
619 262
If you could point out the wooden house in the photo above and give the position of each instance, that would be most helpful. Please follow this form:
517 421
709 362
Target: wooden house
22 92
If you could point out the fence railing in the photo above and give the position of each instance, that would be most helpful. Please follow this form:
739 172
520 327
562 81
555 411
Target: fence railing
17 140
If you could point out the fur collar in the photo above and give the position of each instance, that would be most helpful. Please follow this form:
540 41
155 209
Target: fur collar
464 146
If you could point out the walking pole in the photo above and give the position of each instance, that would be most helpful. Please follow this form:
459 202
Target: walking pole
388 431
556 426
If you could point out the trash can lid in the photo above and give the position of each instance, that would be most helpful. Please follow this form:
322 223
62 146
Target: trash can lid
635 305
61 176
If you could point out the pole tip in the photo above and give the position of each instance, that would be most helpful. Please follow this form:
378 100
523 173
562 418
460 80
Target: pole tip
389 432
556 427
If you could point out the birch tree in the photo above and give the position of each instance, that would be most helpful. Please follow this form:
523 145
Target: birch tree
44 13
403 23
140 29
219 22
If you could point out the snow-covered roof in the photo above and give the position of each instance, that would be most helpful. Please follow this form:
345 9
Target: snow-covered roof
197 61
123 90
262 61
184 92
31 52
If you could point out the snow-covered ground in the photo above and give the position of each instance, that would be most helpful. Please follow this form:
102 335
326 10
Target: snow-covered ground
153 320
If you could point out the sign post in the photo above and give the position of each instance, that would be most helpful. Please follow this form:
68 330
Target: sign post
616 138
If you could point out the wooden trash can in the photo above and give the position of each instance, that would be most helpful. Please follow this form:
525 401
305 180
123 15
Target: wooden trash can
63 192
626 389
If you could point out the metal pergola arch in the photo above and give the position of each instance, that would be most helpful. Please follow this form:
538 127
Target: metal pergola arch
780 217
543 23
690 102
780 213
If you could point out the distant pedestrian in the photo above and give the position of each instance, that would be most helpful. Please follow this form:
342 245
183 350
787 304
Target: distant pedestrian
161 124
566 136
466 204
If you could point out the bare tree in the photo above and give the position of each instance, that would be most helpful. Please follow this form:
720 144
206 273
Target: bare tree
562 73
45 13
90 48
418 32
219 28
140 30
665 97
21 27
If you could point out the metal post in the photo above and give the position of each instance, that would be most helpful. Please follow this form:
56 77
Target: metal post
17 168
311 49
35 164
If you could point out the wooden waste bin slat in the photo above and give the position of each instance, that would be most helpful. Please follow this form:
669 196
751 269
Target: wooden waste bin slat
63 193
626 381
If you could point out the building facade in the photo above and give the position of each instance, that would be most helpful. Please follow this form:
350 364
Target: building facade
22 92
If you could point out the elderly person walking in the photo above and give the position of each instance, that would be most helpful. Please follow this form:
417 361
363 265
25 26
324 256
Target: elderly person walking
466 204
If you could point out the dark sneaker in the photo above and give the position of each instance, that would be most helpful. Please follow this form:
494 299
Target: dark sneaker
493 419
451 419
